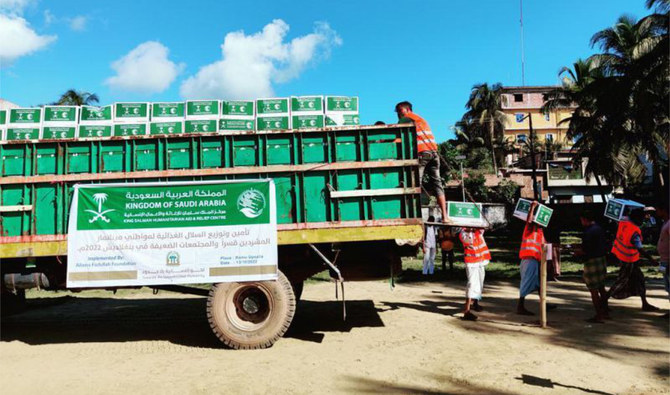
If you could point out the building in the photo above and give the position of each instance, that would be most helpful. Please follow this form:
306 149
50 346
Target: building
519 101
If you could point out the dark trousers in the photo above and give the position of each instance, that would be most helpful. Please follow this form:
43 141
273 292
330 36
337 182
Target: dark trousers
447 255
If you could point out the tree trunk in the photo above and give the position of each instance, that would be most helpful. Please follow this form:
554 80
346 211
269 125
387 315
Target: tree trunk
493 152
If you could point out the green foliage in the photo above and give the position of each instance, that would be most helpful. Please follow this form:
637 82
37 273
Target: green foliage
621 97
475 186
506 192
77 98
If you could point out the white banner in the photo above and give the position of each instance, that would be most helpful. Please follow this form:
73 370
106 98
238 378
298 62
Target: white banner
172 233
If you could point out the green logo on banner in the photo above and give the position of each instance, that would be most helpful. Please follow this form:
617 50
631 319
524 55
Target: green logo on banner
251 203
160 206
271 106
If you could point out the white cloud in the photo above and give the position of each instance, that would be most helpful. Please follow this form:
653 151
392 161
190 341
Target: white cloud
18 39
78 23
252 63
145 69
14 7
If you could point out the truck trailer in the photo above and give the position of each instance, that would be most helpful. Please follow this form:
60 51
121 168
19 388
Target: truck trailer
348 200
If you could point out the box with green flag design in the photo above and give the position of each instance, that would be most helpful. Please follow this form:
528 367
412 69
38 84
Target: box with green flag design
203 109
237 115
541 216
91 115
167 111
273 114
131 112
341 111
130 129
94 130
307 112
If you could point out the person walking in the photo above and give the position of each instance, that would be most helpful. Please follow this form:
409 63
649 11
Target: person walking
627 248
476 256
663 246
429 160
594 250
530 253
429 245
446 238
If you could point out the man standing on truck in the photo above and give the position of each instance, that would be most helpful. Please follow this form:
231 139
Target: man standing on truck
429 160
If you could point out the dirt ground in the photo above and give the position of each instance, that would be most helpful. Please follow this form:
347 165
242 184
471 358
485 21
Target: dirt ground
402 341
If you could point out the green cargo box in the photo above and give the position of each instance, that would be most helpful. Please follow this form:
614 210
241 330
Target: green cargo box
351 178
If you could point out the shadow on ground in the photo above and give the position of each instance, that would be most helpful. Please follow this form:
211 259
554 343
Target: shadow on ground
70 319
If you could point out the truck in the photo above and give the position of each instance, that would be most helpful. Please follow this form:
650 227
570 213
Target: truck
348 200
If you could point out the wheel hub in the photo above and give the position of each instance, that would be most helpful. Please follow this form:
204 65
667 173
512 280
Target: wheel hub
251 304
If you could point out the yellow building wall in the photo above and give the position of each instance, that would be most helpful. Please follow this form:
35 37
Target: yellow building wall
541 125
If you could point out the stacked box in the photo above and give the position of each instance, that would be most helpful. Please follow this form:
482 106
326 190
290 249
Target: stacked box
130 129
273 114
237 115
95 122
131 112
542 214
307 112
60 122
24 123
202 116
167 118
342 111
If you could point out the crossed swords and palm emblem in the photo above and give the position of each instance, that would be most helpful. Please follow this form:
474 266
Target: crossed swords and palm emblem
100 198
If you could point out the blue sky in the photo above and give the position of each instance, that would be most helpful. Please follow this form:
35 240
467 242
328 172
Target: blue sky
427 52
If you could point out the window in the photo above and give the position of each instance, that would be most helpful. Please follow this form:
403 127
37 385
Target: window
519 117
546 116
549 137
520 138
518 97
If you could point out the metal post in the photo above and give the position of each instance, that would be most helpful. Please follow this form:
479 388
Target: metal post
543 287
532 156
462 181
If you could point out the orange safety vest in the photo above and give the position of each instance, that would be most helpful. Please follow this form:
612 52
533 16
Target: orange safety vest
424 137
531 243
475 249
622 248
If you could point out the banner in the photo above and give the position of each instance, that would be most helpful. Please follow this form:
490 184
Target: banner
172 233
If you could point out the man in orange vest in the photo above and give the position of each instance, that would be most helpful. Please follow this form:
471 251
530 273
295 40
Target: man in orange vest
530 254
476 256
429 160
627 248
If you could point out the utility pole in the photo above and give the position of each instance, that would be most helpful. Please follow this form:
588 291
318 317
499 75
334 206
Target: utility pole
532 156
523 62
461 158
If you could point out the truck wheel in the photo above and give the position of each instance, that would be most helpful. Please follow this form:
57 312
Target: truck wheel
251 315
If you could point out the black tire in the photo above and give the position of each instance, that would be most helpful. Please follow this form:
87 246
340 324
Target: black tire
251 315
297 289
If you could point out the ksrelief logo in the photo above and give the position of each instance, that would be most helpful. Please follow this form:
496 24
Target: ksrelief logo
100 198
172 259
251 203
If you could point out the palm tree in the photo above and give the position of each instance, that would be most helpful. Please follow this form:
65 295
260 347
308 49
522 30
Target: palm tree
485 111
77 98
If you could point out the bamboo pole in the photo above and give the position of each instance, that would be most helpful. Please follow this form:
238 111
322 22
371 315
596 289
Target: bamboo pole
543 287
